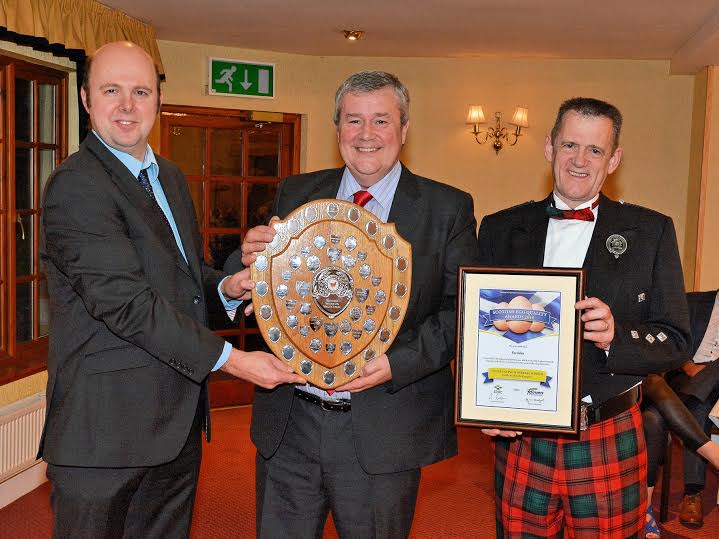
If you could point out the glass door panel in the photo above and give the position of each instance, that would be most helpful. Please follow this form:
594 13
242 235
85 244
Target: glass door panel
226 152
23 179
23 109
46 113
263 153
259 202
187 149
226 204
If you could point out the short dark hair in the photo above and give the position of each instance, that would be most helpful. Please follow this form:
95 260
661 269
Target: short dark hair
86 80
588 106
371 81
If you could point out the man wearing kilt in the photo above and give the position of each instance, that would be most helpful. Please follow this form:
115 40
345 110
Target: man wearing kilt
635 323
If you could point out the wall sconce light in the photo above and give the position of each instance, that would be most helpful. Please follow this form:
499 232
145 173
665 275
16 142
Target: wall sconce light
497 133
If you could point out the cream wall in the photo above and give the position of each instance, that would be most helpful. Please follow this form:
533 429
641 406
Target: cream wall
657 109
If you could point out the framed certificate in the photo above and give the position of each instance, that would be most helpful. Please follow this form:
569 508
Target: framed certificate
519 348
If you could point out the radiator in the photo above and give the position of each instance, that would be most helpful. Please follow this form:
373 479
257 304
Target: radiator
20 427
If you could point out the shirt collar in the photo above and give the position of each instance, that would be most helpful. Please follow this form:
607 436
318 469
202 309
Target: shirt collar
382 191
561 205
132 164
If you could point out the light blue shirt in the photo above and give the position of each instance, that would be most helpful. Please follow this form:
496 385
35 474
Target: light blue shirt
382 196
382 192
153 172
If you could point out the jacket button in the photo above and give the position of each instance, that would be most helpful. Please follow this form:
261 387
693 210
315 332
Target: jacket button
196 300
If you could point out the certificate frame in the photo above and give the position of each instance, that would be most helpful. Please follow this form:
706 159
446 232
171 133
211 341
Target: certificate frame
540 370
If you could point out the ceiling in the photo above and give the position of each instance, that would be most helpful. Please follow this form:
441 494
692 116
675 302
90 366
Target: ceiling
683 31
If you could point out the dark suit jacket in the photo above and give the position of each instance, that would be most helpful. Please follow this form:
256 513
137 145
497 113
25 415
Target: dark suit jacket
129 354
650 265
407 422
703 384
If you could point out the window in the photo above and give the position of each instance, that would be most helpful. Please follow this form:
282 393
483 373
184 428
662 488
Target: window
33 140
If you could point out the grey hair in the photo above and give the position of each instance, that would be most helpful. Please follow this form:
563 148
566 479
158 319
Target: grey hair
371 81
590 107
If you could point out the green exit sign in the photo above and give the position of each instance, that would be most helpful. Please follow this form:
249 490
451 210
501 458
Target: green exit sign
242 79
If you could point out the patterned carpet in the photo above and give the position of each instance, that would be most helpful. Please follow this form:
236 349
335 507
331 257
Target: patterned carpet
455 499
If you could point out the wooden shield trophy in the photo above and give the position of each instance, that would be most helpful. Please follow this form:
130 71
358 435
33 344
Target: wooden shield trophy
332 289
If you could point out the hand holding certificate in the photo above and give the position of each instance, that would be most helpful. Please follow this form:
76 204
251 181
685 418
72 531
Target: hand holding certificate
519 348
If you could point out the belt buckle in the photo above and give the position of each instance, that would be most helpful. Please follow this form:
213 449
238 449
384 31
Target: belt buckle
325 405
583 417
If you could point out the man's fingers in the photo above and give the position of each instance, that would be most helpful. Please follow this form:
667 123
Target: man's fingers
504 433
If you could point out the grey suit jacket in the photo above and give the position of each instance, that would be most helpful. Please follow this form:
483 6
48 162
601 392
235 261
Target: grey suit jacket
644 287
129 353
407 422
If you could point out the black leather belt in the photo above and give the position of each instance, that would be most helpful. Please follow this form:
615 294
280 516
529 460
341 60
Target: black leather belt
590 414
340 405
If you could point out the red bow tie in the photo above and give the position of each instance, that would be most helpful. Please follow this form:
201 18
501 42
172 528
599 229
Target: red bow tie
585 214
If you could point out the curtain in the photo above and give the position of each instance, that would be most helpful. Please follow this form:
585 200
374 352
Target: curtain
76 24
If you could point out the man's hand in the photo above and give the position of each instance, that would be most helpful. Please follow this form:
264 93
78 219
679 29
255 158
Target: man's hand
260 368
598 322
239 285
691 369
374 373
504 433
255 241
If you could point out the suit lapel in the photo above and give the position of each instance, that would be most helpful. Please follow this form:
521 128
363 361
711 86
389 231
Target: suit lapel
182 220
327 186
529 236
404 210
137 197
601 264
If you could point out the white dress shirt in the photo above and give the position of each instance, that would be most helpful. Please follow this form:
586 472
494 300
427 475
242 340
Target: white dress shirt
709 348
568 239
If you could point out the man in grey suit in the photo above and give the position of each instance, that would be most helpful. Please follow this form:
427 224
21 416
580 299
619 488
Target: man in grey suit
129 351
358 452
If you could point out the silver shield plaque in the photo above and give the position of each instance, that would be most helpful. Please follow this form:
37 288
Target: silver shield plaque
333 288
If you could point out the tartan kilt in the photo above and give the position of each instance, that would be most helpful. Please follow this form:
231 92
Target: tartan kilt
595 484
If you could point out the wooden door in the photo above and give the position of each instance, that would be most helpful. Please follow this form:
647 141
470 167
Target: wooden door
233 164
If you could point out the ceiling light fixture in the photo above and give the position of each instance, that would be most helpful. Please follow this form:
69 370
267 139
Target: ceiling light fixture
353 35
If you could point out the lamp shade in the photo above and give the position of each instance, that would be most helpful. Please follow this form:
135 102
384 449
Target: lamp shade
476 115
520 117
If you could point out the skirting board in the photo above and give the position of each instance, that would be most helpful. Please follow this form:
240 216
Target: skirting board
22 483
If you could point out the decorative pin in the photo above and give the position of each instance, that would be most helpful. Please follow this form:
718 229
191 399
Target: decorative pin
641 297
662 337
650 338
635 334
616 244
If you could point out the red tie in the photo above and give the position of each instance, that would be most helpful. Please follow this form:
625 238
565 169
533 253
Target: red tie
585 214
361 198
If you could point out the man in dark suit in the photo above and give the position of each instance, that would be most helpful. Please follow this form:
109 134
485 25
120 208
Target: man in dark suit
358 452
129 352
635 323
697 383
